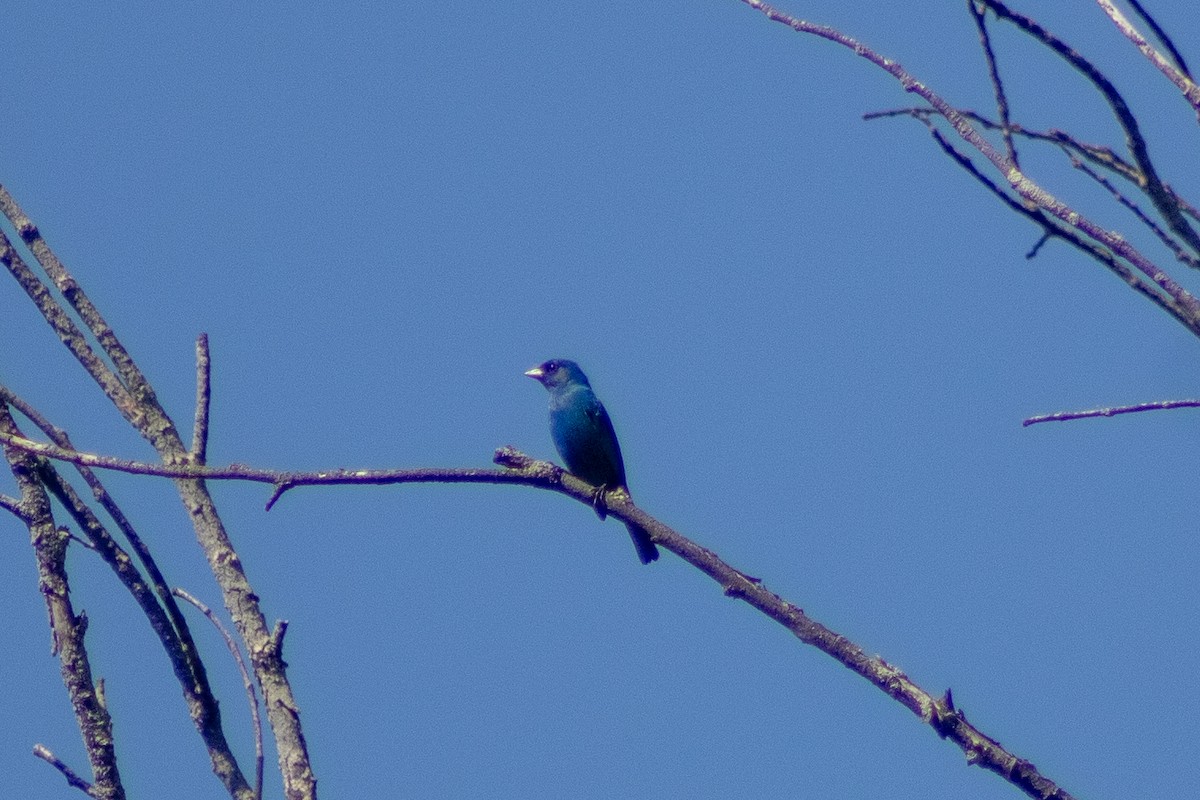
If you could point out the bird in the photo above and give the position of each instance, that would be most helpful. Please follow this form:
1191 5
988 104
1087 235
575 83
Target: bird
583 435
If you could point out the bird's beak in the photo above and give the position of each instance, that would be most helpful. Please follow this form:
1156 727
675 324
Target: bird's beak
536 373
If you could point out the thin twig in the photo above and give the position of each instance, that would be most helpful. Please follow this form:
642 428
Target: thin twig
1191 91
166 620
199 449
139 405
985 41
1038 245
1020 183
13 506
1167 240
1063 416
73 779
247 683
1138 148
1183 204
282 480
1099 155
1050 228
174 636
1162 36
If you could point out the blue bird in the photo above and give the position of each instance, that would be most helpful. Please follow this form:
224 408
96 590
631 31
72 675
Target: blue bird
584 437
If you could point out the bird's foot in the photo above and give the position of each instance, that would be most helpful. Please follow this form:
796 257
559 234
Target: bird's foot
598 502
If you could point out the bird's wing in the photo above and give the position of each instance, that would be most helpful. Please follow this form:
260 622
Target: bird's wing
606 439
598 416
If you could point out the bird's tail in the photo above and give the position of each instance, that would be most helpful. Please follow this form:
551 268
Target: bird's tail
646 550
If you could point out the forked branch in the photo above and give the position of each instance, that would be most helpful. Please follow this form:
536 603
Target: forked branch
939 713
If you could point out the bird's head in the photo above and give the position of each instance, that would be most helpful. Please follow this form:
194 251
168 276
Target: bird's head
557 372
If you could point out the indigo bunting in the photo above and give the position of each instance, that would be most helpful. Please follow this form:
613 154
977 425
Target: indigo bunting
584 437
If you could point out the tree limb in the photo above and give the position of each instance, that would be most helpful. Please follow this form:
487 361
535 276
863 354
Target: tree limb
67 629
940 714
133 396
159 605
1021 184
1063 416
1191 92
1134 139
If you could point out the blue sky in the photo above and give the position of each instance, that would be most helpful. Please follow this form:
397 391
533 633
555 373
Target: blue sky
817 339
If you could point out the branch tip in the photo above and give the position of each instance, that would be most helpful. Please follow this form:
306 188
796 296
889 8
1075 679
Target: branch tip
1065 416
280 488
1033 251
73 779
199 449
277 635
511 457
247 681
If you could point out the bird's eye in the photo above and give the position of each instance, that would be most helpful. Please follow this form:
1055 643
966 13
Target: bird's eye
551 366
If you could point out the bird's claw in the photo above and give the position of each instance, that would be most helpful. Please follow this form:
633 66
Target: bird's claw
598 503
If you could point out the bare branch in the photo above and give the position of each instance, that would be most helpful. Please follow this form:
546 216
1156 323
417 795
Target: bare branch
247 683
1162 36
985 41
1039 244
1167 240
73 779
1154 186
13 506
940 714
131 377
199 451
67 628
166 620
61 322
1096 154
280 631
522 469
1063 416
1051 229
1023 186
174 635
139 405
1191 92
540 473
